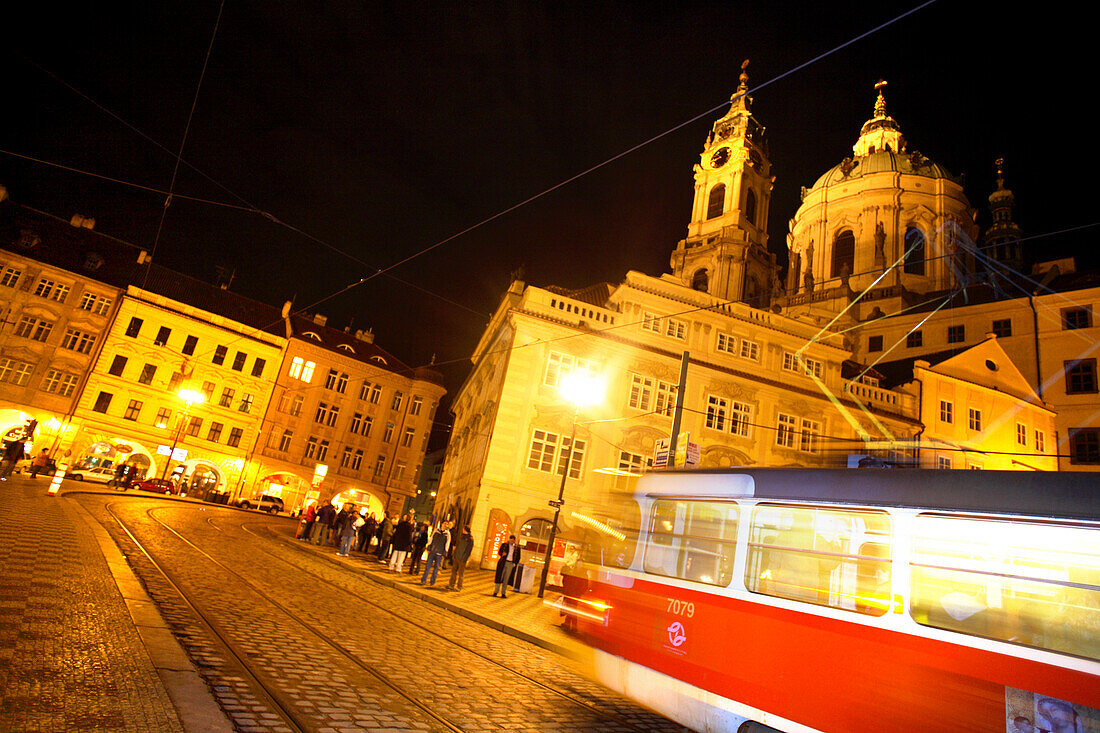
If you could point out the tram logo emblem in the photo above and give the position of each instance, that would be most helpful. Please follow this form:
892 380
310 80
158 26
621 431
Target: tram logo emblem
676 635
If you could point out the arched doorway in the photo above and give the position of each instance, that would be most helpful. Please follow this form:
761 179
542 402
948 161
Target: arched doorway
112 452
201 477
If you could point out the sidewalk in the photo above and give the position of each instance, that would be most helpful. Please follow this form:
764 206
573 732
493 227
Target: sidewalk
522 615
81 644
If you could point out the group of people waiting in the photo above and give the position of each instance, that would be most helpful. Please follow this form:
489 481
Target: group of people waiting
393 541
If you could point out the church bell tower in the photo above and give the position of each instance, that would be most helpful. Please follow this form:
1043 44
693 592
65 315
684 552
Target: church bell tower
725 252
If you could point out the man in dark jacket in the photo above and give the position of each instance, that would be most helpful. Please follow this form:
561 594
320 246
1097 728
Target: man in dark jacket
509 559
366 533
323 523
437 548
463 546
402 541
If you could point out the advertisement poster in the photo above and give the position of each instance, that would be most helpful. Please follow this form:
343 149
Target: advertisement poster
500 527
1029 712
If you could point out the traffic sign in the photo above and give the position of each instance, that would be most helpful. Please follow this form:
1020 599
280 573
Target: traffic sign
555 503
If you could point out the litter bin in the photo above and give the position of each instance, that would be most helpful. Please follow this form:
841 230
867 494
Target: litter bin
524 579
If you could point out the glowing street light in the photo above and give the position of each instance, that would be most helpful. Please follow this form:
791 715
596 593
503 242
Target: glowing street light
189 397
581 388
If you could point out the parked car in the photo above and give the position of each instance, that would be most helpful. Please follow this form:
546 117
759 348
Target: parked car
98 474
265 503
156 485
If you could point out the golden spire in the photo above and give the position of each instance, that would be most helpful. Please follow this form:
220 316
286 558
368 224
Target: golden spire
880 103
1000 163
744 86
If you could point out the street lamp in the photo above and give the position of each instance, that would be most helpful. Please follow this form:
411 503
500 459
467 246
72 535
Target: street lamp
581 388
189 397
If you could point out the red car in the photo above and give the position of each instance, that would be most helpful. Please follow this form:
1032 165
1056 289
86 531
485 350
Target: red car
156 485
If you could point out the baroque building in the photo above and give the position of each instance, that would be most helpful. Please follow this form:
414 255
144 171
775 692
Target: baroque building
774 375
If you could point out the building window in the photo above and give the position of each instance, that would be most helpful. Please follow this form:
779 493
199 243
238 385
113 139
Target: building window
330 380
364 390
238 361
258 367
641 392
132 410
844 254
380 466
311 448
307 372
559 365
342 383
78 341
947 411
189 345
802 365
164 416
407 439
1002 328
333 415
750 207
397 399
417 403
1084 445
1074 318
676 329
975 419
296 365
357 460
914 251
387 435
60 383
194 426
631 462
716 201
246 403
147 373
1040 441
16 372
235 435
874 343
10 277
356 422
367 422
811 436
726 343
716 412
215 432
44 288
284 440
375 394
399 470
162 336
914 340
207 391
33 328
651 322
322 413
750 350
226 399
741 418
1021 433
174 382
134 328
956 334
102 402
296 405
786 430
345 457
943 462
219 354
548 454
1080 376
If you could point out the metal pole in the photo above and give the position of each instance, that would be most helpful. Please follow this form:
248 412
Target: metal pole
680 389
172 450
557 511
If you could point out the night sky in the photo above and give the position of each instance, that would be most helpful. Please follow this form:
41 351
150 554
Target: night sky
382 128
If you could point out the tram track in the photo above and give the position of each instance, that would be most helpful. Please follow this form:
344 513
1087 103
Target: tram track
434 633
287 710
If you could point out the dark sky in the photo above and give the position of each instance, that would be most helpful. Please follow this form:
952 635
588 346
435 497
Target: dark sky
381 128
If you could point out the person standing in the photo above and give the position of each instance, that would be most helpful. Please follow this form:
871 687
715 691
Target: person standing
418 545
437 548
307 522
463 546
13 453
509 559
366 533
323 523
385 538
348 529
38 465
402 541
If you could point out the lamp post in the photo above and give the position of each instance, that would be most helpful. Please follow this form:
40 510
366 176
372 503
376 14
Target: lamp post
189 397
580 388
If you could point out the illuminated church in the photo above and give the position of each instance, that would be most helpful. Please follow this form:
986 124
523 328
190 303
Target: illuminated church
893 339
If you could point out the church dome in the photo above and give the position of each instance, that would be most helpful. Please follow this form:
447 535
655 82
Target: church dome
885 161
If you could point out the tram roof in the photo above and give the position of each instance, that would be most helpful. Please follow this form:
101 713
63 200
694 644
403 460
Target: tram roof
1071 495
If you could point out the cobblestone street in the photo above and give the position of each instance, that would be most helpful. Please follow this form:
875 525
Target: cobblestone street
285 635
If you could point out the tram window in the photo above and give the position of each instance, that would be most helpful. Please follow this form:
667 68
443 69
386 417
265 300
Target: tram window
693 540
828 557
1030 583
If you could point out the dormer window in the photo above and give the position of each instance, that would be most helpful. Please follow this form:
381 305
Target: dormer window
312 335
378 359
345 347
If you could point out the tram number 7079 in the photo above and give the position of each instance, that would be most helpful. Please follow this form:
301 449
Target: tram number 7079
681 608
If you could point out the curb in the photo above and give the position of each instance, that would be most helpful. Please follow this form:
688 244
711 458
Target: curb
195 706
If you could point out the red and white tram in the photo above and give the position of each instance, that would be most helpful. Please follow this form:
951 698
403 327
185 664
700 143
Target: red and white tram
857 600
